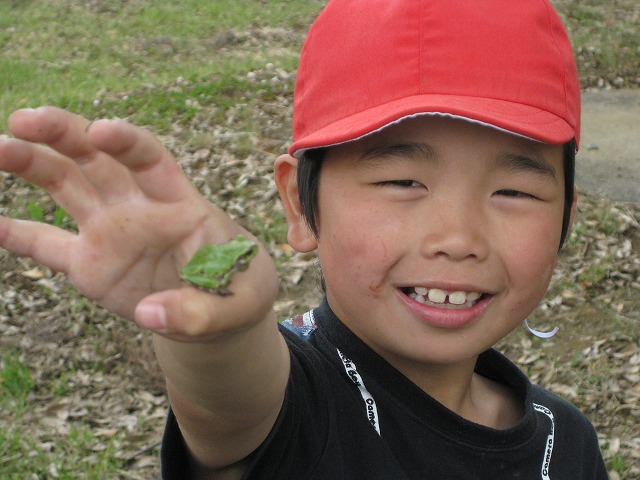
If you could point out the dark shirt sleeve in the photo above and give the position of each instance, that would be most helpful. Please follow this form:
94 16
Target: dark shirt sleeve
174 456
292 433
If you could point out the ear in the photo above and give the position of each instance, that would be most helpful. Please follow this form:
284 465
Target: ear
300 236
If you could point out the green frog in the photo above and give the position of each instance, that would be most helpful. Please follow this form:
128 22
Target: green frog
212 266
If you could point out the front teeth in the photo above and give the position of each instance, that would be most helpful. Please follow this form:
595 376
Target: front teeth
436 295
457 298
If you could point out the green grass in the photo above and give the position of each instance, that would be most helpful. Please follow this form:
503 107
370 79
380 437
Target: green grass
15 383
604 35
86 452
22 454
120 58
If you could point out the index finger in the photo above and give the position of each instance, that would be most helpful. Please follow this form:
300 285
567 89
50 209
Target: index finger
61 130
151 165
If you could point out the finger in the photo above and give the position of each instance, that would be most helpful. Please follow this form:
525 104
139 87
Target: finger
67 133
153 168
61 130
44 243
55 173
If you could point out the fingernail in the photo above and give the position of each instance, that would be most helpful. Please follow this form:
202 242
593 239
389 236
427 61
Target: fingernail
152 316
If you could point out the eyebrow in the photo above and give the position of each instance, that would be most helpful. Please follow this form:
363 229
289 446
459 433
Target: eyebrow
531 162
407 151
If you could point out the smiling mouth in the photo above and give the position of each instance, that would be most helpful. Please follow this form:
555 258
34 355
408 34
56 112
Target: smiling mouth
450 300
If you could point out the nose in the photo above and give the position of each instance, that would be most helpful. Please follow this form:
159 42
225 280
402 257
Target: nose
455 230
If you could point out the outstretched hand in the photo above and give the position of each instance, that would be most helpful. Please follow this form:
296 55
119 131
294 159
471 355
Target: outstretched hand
139 220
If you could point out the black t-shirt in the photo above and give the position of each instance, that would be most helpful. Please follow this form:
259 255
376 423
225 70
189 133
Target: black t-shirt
349 415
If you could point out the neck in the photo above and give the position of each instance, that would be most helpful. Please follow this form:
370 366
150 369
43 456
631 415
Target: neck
466 393
450 384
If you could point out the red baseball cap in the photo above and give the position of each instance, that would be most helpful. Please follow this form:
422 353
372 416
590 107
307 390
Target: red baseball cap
369 63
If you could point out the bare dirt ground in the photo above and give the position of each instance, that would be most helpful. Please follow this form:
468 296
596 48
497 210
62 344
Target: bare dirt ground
609 160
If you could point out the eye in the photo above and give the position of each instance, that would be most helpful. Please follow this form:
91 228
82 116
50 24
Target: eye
514 194
400 183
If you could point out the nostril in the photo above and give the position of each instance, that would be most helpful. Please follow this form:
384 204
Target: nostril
455 255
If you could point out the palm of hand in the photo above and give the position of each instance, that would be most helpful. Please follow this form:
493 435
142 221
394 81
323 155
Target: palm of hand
127 251
138 216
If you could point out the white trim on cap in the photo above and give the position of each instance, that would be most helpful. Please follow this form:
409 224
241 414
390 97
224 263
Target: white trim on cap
300 152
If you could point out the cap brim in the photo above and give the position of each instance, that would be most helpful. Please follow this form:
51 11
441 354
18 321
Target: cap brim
518 119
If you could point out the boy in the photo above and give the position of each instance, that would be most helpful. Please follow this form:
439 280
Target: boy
432 169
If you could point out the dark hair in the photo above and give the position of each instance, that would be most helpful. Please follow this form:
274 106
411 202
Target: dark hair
569 166
309 168
310 165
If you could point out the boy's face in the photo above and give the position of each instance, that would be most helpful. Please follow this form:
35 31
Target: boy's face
438 205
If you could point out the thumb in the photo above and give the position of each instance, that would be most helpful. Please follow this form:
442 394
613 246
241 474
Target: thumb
191 315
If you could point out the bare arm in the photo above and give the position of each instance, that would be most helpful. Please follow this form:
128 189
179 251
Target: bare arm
139 221
242 420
